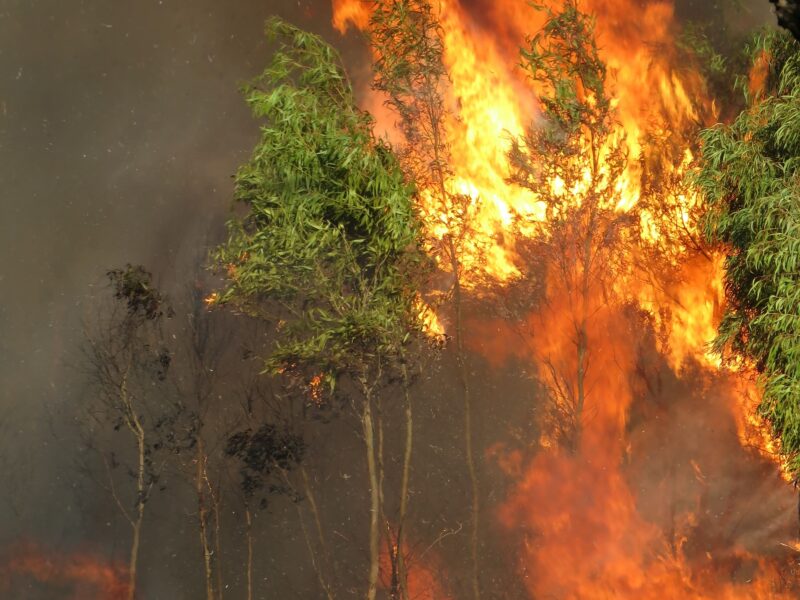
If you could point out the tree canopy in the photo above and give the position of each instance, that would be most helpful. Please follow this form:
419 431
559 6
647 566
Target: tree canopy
749 176
331 236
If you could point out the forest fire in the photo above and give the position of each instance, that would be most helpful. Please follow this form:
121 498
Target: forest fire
584 532
80 575
483 54
422 581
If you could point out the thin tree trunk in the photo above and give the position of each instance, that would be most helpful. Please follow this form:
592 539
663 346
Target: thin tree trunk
307 537
202 514
215 507
581 400
312 501
134 558
401 566
583 324
140 504
249 522
468 446
375 507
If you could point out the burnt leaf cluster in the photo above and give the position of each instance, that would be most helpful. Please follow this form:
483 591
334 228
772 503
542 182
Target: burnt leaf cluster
266 455
134 286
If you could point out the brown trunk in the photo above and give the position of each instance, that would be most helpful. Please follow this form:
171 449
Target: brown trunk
583 322
202 515
315 563
215 507
249 521
140 504
312 502
134 557
402 576
468 449
375 507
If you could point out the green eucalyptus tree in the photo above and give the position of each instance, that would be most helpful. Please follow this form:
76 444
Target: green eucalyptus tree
749 175
330 244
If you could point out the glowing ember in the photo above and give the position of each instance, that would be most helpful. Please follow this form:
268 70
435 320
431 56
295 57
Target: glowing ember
315 390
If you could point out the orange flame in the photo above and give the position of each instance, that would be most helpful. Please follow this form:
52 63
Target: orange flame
585 537
83 575
493 100
423 581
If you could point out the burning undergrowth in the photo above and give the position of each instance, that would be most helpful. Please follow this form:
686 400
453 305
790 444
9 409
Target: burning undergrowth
29 571
658 499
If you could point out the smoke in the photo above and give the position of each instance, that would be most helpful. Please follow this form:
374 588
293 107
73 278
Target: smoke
120 127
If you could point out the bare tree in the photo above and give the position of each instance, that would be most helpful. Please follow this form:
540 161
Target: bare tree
205 339
127 361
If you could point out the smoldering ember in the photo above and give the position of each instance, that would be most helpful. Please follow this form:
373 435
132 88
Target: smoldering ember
400 299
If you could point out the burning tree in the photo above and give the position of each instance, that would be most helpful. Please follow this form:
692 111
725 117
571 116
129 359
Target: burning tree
749 178
128 360
330 245
572 162
408 46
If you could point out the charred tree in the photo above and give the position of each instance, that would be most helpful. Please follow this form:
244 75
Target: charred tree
128 360
788 13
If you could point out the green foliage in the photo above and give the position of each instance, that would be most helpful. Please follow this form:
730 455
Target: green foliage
695 41
329 244
766 54
563 57
749 176
406 39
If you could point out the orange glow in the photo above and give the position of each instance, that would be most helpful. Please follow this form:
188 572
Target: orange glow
84 576
759 74
583 536
431 324
211 299
423 572
315 390
491 100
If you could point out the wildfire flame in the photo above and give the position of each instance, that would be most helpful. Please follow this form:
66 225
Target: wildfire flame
585 537
82 575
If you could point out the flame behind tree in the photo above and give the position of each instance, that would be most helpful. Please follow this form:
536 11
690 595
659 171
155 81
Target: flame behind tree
572 161
407 41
